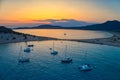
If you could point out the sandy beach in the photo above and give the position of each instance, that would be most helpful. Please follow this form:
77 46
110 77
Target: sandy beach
111 41
14 37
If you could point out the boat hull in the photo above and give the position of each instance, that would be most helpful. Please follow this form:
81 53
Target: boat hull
54 53
24 60
66 61
85 67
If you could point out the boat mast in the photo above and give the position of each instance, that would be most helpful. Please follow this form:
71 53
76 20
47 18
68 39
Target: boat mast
53 46
65 46
20 54
85 56
65 51
26 43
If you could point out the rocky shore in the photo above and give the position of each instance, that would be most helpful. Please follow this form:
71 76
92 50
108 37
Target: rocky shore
13 38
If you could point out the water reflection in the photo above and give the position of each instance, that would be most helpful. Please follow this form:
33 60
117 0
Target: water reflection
71 34
44 66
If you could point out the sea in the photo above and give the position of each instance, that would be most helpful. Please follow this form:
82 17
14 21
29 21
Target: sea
104 59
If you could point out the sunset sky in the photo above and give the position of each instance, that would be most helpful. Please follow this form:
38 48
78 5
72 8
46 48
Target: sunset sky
32 12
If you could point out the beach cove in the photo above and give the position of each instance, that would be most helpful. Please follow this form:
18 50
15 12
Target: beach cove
111 40
106 38
43 65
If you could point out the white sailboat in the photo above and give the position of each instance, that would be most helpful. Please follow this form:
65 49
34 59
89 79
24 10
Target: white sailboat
53 51
85 66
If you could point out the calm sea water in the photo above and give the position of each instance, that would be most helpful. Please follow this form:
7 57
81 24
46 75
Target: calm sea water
71 34
44 66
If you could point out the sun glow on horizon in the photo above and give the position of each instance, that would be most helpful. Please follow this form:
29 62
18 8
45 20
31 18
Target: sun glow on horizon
24 11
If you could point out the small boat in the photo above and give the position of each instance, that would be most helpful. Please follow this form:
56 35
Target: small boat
85 67
30 45
24 60
53 51
66 59
27 50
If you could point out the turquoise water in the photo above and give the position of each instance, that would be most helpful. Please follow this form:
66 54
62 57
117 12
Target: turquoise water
44 66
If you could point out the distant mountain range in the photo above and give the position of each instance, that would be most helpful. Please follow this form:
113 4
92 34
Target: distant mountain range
42 27
70 23
65 22
108 25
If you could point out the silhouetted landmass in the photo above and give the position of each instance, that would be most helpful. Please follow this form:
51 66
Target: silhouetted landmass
5 30
48 27
108 26
42 27
9 36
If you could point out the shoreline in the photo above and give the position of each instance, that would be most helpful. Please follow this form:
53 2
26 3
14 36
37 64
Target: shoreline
27 41
110 41
6 38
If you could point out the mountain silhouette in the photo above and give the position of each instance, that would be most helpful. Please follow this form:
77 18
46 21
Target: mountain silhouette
5 30
47 26
65 22
108 25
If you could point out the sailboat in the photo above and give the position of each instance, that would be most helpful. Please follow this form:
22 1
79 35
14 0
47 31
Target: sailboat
85 67
27 50
23 57
29 45
53 51
66 59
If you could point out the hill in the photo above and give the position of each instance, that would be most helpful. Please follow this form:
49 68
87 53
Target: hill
5 30
108 25
42 27
9 36
47 27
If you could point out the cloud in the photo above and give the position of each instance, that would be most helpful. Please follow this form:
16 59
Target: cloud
56 22
8 21
64 22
